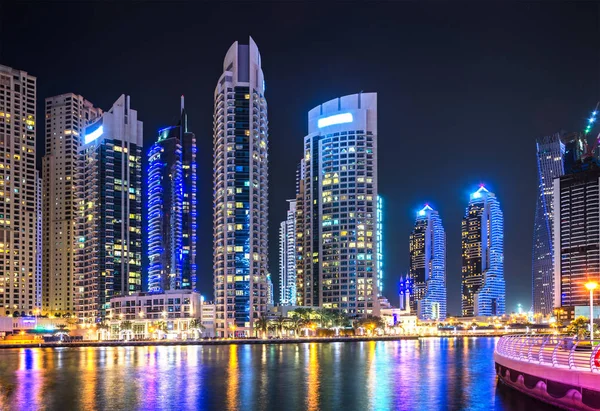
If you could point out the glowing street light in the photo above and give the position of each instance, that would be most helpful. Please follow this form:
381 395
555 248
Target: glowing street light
591 286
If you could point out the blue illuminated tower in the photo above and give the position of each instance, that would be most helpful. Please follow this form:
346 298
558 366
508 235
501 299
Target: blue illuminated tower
240 185
550 163
172 209
428 266
483 289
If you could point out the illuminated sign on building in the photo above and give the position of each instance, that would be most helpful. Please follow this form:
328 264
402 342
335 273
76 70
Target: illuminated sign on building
335 119
93 135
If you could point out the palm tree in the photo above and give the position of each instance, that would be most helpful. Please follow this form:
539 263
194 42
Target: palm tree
262 325
279 323
126 328
62 331
160 326
579 327
297 324
103 327
197 327
71 321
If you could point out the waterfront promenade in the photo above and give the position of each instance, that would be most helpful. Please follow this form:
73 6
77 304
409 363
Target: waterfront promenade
215 341
555 369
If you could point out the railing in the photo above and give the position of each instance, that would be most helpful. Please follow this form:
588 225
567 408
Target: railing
552 350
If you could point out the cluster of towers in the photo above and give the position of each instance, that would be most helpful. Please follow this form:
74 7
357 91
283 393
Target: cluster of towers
566 235
483 288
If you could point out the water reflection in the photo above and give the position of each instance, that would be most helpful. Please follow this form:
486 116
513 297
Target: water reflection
453 374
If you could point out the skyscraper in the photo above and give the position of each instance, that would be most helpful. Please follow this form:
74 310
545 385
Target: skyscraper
109 215
550 162
337 264
483 290
240 188
287 257
67 115
428 266
172 209
380 245
577 233
18 187
38 242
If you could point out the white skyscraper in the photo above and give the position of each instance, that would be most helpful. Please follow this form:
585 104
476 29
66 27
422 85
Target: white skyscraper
240 185
67 115
18 186
39 241
287 257
108 261
337 216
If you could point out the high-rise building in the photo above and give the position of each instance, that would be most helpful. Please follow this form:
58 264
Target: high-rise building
270 291
299 224
39 242
428 266
172 209
240 188
287 257
67 115
483 289
380 245
577 234
18 186
550 162
337 211
108 260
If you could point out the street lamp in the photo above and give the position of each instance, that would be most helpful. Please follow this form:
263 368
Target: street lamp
592 285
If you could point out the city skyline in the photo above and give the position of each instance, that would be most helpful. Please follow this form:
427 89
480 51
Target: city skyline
493 169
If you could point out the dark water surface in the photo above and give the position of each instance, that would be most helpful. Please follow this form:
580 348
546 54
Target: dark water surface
429 374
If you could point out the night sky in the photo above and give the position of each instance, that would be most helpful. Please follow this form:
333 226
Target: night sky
463 91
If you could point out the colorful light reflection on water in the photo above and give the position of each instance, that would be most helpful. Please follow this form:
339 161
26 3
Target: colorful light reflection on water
431 374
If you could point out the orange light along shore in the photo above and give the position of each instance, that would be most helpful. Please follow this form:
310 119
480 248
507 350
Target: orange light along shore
216 341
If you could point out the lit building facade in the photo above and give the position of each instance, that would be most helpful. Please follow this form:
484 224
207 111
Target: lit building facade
577 234
172 209
287 257
337 210
38 241
18 193
550 163
240 185
483 288
67 115
109 215
380 245
428 266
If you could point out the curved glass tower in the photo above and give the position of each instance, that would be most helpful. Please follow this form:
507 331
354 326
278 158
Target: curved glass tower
172 209
240 185
428 266
550 162
337 208
483 289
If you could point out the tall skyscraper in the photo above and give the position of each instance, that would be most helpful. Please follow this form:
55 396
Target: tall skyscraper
172 209
18 187
240 200
108 261
287 257
299 224
483 289
337 267
67 115
577 233
428 266
380 245
550 162
39 242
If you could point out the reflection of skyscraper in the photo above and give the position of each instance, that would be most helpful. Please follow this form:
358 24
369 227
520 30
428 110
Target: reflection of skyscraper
172 209
240 184
550 152
287 257
337 211
577 233
483 289
108 261
428 266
